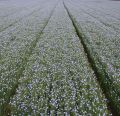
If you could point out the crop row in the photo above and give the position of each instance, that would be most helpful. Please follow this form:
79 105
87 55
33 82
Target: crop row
20 14
22 28
14 55
102 44
107 20
8 8
108 9
58 79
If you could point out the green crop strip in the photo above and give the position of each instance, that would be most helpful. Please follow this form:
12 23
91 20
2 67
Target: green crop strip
102 77
52 64
58 79
12 24
5 108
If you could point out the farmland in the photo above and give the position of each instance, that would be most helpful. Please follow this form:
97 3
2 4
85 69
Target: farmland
59 58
